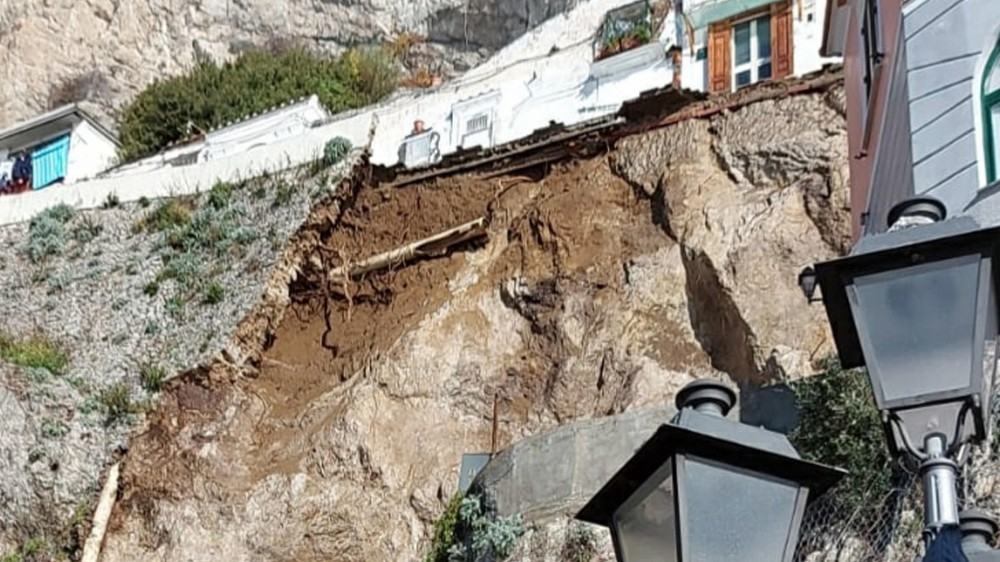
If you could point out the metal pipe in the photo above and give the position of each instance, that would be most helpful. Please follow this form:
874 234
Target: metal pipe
940 479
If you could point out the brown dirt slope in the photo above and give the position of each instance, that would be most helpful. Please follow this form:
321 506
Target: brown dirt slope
598 289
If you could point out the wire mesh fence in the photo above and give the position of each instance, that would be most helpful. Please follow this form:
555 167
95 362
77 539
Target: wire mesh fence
885 523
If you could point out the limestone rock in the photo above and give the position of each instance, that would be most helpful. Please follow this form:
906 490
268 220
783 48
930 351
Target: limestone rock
106 51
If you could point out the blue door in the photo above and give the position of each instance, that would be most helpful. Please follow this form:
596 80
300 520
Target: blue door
49 163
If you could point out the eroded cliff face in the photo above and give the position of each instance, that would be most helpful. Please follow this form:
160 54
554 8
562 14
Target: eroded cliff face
603 285
106 51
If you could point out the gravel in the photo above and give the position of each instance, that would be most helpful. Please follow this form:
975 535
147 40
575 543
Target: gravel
94 301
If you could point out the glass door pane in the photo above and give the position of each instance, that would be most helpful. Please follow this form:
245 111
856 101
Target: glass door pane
741 43
764 37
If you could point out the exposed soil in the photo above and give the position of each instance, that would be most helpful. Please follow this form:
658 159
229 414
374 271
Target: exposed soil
260 426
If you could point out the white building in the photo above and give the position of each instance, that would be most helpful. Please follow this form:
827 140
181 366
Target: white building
66 145
585 64
729 44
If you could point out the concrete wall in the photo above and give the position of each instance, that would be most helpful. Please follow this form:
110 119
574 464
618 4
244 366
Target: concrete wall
286 122
557 473
946 44
90 153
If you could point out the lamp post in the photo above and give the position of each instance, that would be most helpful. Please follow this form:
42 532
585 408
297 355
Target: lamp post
917 306
709 489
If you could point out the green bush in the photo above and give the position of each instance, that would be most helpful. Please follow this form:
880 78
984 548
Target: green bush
444 532
214 294
840 426
116 403
480 534
172 213
210 95
152 377
36 351
336 149
47 232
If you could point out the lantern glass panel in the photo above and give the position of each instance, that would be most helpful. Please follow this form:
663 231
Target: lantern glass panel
731 514
646 524
918 326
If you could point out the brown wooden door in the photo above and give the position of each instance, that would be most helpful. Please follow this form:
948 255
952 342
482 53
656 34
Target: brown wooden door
720 64
782 55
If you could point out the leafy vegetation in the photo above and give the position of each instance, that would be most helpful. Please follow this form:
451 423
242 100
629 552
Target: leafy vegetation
47 232
471 531
116 403
111 201
36 351
171 213
580 544
152 377
840 426
444 532
210 95
336 150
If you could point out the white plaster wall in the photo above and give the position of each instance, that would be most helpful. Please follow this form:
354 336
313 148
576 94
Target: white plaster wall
90 153
264 129
808 36
808 19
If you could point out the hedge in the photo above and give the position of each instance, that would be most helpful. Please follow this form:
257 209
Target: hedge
210 95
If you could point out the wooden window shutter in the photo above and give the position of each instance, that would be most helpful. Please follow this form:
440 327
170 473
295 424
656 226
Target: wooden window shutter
782 54
720 64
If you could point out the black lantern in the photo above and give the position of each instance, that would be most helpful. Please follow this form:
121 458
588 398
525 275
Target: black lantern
918 307
706 488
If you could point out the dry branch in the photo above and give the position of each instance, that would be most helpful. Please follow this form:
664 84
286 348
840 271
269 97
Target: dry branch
94 542
432 246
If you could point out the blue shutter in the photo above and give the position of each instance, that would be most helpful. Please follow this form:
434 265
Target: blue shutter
49 163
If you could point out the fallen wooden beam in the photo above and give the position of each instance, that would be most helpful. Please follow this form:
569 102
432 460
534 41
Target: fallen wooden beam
432 246
94 542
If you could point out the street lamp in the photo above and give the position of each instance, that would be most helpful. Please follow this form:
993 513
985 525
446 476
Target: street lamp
917 306
709 489
977 531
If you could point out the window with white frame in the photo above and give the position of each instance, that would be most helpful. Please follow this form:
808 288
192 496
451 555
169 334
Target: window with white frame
477 124
751 51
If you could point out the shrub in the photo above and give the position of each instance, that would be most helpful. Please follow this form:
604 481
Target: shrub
840 426
283 193
53 429
116 403
580 544
87 229
444 532
47 232
36 351
152 377
210 95
336 149
151 288
214 294
220 194
111 201
172 213
479 534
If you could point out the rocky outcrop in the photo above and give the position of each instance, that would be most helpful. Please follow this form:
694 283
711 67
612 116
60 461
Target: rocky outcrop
106 51
604 286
